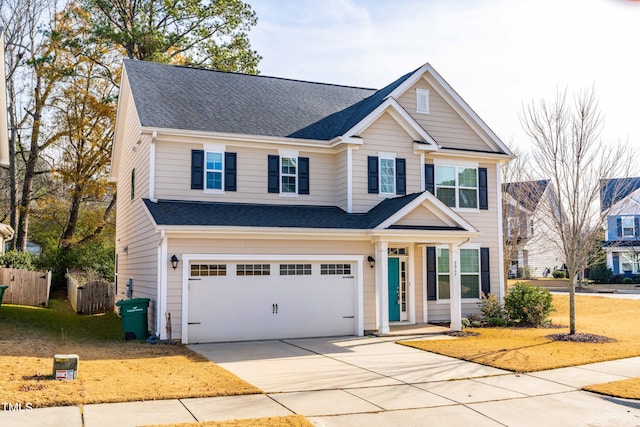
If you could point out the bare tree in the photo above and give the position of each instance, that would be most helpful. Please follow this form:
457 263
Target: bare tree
568 150
514 215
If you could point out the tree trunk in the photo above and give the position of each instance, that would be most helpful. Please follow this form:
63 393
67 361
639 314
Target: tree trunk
572 305
27 186
13 186
74 211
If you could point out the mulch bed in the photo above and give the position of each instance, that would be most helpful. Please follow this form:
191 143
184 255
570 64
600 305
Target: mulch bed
462 334
590 338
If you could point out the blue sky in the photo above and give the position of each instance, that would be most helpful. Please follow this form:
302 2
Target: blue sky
498 54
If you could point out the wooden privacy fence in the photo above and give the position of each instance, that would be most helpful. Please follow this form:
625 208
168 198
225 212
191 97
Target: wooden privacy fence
90 296
26 287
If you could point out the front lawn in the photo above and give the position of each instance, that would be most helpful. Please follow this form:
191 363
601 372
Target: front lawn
110 370
528 349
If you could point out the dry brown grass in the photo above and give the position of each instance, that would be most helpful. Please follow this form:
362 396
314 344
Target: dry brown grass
527 350
110 372
628 389
288 421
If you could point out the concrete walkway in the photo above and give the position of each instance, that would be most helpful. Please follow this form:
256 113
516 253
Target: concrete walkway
373 382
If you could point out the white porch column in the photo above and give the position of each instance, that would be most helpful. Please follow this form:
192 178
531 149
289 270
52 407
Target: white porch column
382 284
455 288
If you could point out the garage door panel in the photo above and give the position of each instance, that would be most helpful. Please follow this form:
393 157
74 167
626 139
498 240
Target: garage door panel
233 308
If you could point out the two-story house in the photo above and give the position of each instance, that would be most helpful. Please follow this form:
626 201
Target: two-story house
621 197
254 207
531 246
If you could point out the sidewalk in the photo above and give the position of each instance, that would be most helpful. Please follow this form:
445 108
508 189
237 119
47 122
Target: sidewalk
492 398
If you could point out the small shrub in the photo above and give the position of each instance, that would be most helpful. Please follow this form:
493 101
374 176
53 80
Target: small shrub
497 322
19 259
627 281
600 273
528 305
559 274
524 272
490 307
465 322
476 324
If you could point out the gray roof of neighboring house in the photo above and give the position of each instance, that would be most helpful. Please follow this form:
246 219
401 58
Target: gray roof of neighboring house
174 97
527 193
184 213
616 189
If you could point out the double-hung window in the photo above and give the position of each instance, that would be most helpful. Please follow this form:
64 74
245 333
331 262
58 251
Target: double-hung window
444 275
628 226
214 171
387 175
469 273
289 174
457 186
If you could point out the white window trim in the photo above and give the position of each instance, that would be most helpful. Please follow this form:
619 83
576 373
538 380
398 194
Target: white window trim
632 228
479 273
386 156
457 187
213 148
292 154
296 176
458 262
424 95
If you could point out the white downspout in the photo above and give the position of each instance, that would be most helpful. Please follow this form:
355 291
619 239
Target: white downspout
349 180
161 323
152 167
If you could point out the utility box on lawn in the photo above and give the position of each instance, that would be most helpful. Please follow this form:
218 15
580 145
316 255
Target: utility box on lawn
65 366
134 318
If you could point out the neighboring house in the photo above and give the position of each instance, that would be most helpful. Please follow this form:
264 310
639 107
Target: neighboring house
622 229
529 239
6 234
4 127
254 207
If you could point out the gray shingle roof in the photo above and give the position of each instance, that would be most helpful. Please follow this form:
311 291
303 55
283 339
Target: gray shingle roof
527 193
184 213
175 97
616 189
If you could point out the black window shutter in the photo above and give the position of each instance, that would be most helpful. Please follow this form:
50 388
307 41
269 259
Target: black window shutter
431 273
303 175
616 263
372 173
197 169
401 177
619 226
273 179
483 192
485 278
637 224
230 169
430 178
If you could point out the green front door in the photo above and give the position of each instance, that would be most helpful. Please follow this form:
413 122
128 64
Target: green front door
394 289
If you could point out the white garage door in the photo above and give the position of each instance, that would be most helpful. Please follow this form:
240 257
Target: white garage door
235 301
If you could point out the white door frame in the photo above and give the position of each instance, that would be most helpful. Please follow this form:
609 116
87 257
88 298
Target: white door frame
359 277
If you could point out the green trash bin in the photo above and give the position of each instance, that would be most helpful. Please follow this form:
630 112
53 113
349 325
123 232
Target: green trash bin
134 318
2 289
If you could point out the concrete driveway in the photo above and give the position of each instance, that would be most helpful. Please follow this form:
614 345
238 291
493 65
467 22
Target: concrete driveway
376 382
